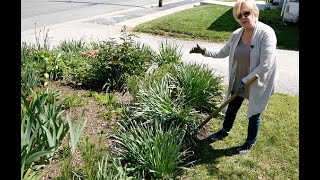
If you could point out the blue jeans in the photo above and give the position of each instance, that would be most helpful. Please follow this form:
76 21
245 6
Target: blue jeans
254 121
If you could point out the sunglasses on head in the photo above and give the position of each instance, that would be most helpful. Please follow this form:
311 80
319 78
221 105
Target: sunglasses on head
245 14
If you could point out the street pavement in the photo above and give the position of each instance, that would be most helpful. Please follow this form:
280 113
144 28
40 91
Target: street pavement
107 26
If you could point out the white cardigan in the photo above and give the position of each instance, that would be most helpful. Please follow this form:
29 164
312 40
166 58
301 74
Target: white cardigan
262 62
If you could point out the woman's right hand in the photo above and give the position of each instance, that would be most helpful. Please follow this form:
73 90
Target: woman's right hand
197 49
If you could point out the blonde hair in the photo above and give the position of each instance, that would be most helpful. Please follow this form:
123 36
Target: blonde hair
251 4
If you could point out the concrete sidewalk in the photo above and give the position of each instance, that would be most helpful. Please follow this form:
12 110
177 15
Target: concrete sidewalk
92 29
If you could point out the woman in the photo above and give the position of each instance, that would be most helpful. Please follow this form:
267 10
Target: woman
252 51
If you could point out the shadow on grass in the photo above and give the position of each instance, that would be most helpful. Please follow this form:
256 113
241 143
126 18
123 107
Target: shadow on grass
225 23
206 154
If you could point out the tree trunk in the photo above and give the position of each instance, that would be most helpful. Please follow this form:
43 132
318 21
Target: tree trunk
160 3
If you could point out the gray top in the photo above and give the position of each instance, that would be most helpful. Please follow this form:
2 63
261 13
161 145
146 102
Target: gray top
242 56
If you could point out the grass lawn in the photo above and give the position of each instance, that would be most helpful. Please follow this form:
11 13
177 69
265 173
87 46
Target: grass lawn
275 156
215 23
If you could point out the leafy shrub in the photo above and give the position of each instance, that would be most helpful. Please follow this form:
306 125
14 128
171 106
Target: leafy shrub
75 69
164 101
134 83
115 62
151 151
168 53
201 89
28 59
175 93
43 61
107 70
30 79
26 54
72 46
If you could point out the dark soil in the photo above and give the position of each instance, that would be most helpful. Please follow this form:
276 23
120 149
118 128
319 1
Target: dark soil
96 125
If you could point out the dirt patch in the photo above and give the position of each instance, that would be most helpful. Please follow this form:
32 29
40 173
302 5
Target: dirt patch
96 124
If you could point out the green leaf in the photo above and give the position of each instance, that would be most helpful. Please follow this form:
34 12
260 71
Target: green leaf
50 138
75 133
37 155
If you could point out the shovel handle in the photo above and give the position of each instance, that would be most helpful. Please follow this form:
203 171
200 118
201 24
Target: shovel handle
246 86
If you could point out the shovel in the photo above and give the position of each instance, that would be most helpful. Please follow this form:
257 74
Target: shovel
246 86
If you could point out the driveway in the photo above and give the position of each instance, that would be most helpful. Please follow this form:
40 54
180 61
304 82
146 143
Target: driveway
90 29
